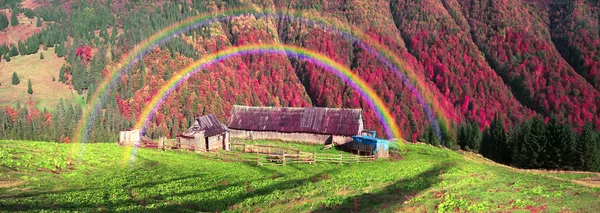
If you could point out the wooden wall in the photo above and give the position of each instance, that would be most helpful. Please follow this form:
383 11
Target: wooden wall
294 137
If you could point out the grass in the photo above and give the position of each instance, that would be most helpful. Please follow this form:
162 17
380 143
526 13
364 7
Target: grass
46 93
39 176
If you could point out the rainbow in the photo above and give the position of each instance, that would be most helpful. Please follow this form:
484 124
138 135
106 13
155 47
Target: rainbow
385 55
336 68
355 81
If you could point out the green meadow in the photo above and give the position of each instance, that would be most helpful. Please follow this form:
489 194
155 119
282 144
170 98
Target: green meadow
46 176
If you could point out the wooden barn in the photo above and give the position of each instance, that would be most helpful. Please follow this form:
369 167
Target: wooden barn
314 125
207 133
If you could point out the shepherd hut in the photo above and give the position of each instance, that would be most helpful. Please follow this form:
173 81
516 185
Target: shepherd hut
129 138
314 125
207 133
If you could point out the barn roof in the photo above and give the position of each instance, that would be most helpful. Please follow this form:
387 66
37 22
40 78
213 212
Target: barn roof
207 123
317 120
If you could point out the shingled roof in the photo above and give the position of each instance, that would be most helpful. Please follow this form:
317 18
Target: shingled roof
207 123
317 120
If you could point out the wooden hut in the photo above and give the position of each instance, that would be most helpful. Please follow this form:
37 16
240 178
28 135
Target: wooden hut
129 138
314 125
207 133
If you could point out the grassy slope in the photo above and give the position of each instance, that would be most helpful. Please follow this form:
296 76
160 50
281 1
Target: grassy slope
46 93
170 181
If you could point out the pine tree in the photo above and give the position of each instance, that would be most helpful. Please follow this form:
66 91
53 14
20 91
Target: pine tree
561 148
15 79
3 21
596 159
494 144
538 143
586 148
14 21
41 55
429 136
13 50
29 89
22 48
167 75
38 22
61 75
469 137
7 57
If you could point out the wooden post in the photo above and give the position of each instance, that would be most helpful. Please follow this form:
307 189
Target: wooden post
283 158
162 143
257 163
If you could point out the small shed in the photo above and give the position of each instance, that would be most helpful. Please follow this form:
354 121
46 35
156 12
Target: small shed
207 133
129 138
368 144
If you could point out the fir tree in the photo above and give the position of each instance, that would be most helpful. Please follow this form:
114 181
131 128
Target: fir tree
469 137
538 142
596 159
14 21
41 55
13 50
29 89
7 57
38 22
3 21
494 144
586 149
22 48
15 79
561 148
61 75
167 75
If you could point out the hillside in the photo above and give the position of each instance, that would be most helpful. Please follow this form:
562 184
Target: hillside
469 60
46 92
97 177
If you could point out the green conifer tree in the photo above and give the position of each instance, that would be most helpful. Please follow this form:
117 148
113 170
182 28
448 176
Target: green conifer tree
61 75
22 48
29 88
586 148
3 21
13 50
495 144
15 79
14 21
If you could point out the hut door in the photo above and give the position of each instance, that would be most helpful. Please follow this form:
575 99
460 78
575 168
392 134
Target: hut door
206 141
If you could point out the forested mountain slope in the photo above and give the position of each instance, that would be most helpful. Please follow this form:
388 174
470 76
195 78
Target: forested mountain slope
516 59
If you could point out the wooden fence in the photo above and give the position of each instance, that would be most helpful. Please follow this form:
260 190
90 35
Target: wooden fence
261 154
276 155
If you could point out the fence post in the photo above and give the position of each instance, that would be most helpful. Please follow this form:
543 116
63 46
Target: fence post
162 143
257 157
283 158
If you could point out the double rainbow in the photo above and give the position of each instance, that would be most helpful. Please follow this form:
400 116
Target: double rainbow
385 55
